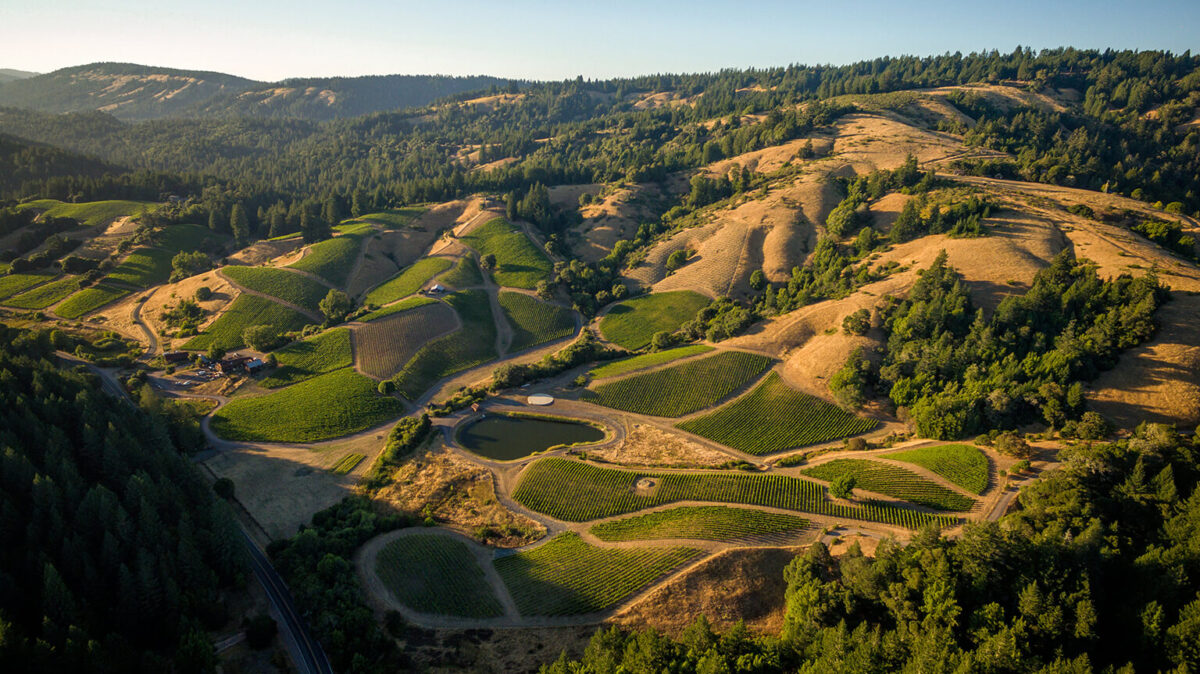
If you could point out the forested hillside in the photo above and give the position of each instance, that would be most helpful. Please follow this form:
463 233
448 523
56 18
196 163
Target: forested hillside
115 551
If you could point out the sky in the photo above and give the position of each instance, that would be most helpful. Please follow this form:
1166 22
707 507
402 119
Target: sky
532 39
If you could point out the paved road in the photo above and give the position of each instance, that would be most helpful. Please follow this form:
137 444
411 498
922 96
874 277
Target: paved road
311 658
306 652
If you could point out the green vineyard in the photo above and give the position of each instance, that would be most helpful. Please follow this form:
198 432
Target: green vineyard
408 281
681 389
534 322
707 523
46 294
648 360
892 481
310 357
247 310
90 299
519 263
436 574
774 417
963 465
470 345
346 464
578 492
566 576
632 323
289 286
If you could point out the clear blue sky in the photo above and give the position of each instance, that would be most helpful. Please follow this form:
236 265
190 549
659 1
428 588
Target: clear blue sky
270 39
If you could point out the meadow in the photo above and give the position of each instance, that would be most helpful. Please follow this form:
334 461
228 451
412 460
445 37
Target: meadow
408 281
574 491
245 311
774 417
892 481
535 322
647 360
632 323
470 345
436 574
519 263
963 465
680 389
290 287
310 357
566 576
89 299
384 346
328 406
706 523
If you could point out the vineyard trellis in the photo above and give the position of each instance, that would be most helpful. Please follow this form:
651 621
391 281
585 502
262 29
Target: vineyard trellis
681 389
774 417
963 465
710 523
578 492
892 481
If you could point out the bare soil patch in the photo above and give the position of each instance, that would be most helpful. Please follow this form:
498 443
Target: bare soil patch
165 297
646 445
264 251
461 494
738 584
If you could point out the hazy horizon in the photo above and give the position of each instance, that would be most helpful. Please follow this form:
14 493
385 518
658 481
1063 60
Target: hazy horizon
534 40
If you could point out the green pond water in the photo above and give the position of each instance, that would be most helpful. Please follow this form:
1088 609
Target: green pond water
507 438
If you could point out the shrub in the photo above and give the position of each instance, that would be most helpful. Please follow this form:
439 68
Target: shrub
203 294
261 337
843 486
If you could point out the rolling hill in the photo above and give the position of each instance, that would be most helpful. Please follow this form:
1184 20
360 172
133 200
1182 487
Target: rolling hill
134 92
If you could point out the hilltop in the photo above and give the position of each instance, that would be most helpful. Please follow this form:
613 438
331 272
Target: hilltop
134 92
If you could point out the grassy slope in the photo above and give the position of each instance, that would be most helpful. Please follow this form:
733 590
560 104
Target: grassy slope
774 417
310 357
329 406
285 285
633 322
519 263
246 310
680 389
535 322
408 281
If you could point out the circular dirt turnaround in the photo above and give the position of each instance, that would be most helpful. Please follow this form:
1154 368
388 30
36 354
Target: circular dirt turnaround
541 399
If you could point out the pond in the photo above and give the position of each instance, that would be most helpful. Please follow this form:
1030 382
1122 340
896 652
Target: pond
505 438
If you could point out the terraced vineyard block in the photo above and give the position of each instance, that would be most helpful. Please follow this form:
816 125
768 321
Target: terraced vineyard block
574 491
535 322
330 406
566 576
310 357
407 282
383 347
89 299
436 574
774 417
893 481
708 523
288 286
632 323
470 345
680 389
647 360
963 465
519 263
246 310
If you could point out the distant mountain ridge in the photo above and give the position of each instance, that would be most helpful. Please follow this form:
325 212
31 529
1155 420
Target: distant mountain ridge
133 92
10 74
